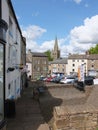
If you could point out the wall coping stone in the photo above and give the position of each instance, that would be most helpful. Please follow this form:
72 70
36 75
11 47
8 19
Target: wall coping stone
77 109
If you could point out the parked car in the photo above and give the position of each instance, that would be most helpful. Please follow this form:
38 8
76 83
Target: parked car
89 80
68 80
57 79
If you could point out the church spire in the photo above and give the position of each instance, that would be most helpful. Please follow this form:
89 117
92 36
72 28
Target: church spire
56 44
56 52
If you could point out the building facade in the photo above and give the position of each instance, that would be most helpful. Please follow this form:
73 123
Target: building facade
13 56
55 54
58 66
39 64
29 64
74 61
89 61
92 63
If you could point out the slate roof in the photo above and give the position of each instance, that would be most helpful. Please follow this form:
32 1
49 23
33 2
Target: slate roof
38 54
34 54
59 61
76 56
88 57
93 57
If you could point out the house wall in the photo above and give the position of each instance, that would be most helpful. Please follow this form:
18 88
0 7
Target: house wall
73 65
29 69
93 64
39 66
93 67
61 68
12 53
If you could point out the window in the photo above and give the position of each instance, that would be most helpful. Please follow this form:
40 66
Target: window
63 69
35 62
10 27
92 61
38 62
38 69
45 62
73 64
45 68
73 60
92 66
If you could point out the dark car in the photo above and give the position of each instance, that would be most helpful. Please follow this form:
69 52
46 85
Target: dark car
57 79
89 80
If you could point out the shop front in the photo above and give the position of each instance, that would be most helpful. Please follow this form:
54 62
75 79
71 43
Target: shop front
3 29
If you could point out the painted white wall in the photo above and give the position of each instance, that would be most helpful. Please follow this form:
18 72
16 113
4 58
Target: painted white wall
77 63
13 54
29 69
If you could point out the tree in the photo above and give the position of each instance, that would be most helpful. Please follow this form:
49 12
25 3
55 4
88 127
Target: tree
94 50
48 53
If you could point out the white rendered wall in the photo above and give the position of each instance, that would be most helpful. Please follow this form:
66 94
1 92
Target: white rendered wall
29 69
12 78
76 63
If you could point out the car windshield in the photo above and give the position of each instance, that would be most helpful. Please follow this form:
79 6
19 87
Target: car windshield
70 78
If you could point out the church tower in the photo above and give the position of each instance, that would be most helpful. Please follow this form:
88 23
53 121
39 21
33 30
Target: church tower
55 54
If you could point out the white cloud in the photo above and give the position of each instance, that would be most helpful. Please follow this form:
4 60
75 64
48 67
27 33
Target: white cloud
31 33
77 1
83 37
80 39
87 33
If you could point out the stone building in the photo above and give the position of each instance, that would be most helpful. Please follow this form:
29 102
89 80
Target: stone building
39 64
58 66
92 64
55 54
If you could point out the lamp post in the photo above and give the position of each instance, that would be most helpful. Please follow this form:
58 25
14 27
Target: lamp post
3 29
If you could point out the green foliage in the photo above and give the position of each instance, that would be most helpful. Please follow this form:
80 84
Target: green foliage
94 50
48 53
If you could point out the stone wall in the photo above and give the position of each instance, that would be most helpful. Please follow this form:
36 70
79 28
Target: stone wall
78 117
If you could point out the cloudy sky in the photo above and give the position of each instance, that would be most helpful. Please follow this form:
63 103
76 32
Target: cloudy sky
74 22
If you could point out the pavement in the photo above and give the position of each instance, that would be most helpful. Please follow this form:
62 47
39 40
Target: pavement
28 115
32 114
